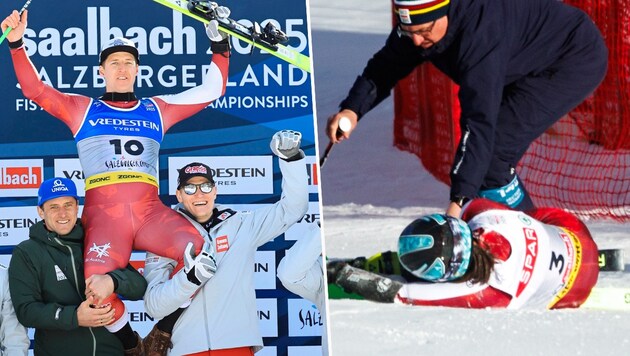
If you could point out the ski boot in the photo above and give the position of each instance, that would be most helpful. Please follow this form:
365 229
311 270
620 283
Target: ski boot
370 286
205 9
273 35
384 263
333 266
269 37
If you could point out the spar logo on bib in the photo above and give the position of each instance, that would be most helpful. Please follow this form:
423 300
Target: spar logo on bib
531 253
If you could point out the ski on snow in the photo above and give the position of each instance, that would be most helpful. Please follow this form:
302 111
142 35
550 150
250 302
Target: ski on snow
601 298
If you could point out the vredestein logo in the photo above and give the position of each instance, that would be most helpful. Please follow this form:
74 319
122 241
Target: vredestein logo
238 172
18 223
20 177
237 175
105 121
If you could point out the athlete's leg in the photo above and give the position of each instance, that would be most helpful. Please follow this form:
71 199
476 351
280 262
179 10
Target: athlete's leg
108 240
109 227
165 232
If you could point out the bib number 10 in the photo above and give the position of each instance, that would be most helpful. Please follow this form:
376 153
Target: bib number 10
131 147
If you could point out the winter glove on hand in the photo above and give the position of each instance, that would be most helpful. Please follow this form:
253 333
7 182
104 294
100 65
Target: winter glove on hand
199 269
286 145
220 40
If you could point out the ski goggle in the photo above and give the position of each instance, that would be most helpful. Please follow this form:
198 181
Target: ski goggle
191 189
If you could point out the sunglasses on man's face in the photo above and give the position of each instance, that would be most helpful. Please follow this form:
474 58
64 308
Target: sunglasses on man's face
191 189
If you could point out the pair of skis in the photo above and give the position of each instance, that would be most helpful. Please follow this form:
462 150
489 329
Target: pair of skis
386 263
610 260
268 38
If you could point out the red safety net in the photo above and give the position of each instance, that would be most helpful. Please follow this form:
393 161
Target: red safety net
581 164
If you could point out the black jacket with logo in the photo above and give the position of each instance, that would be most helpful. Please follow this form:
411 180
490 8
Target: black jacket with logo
47 285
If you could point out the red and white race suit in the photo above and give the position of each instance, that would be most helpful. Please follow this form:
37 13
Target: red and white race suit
545 259
118 145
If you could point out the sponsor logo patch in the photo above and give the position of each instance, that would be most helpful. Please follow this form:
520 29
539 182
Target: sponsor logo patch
100 251
404 16
59 273
531 253
20 177
222 244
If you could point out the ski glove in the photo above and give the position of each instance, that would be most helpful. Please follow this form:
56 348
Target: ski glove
220 41
286 145
212 28
199 269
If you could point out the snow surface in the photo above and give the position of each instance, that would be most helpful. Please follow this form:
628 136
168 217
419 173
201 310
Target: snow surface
371 191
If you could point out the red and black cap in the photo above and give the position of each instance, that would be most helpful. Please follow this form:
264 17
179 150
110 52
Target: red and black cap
194 169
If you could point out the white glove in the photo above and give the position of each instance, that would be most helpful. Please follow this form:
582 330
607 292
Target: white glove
199 269
222 12
212 28
286 145
213 32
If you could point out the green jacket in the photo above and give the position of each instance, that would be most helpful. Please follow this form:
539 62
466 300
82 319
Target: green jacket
47 285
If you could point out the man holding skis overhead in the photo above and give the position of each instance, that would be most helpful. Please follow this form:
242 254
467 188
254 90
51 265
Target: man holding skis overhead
118 138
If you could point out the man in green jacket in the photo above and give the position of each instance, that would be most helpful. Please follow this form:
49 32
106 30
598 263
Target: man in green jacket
47 285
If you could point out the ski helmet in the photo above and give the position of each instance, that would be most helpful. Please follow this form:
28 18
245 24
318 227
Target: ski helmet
436 248
119 44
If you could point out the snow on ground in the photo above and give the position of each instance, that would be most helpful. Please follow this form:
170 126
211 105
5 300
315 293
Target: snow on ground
371 191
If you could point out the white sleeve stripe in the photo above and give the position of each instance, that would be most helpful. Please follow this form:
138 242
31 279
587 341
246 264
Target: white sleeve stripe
210 89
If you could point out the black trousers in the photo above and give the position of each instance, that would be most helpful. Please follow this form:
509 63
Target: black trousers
535 102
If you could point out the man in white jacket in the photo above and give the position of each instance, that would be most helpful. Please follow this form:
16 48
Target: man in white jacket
13 338
222 315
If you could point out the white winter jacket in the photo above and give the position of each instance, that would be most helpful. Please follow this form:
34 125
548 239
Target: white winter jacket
301 272
14 340
223 313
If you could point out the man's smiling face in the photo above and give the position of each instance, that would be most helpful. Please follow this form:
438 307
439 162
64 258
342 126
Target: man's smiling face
60 214
199 204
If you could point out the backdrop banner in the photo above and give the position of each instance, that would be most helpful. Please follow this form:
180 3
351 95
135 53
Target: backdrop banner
264 94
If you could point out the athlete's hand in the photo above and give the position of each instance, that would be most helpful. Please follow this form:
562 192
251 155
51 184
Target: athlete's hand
222 12
88 315
212 28
286 145
99 286
337 133
17 23
199 269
